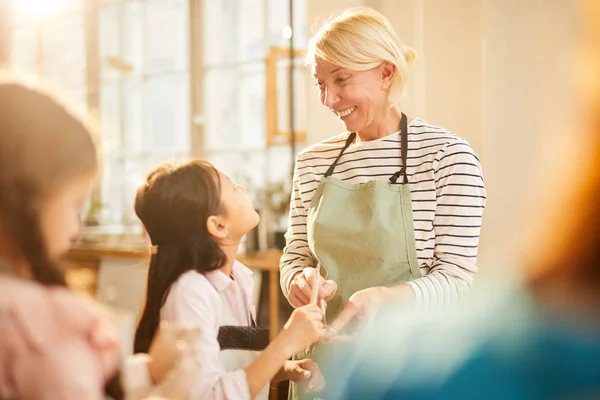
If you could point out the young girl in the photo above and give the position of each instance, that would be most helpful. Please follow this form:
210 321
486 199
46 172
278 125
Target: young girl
195 218
55 344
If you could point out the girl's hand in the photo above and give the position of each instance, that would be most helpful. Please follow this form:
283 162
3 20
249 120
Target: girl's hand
304 327
179 380
166 349
304 371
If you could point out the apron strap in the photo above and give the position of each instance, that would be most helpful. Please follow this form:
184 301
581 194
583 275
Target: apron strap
404 152
348 143
404 149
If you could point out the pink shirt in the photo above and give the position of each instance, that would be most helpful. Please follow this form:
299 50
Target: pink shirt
54 343
198 299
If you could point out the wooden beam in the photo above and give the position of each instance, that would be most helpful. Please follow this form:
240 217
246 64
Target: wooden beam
93 71
275 136
197 75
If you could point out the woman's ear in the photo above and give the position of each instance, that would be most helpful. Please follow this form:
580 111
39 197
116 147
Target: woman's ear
387 73
216 227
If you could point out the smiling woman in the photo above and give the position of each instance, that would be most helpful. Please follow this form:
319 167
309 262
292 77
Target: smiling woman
539 339
390 209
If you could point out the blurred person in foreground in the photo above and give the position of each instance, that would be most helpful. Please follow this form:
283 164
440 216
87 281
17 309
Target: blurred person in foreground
55 343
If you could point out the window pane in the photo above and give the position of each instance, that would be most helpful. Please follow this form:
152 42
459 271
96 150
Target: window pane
167 114
251 30
109 40
167 41
254 169
110 112
133 114
279 19
122 176
300 24
131 23
63 49
122 40
234 30
145 95
235 108
279 164
221 117
301 84
110 191
24 58
26 13
247 168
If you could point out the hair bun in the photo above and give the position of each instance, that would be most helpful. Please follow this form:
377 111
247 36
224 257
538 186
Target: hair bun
410 56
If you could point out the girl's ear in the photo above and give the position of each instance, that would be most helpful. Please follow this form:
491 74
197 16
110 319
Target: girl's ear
216 227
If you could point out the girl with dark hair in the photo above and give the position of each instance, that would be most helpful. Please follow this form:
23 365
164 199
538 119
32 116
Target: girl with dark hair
195 218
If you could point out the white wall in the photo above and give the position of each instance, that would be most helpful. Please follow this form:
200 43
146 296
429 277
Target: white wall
529 116
498 73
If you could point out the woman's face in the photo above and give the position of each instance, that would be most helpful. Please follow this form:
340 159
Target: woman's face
358 99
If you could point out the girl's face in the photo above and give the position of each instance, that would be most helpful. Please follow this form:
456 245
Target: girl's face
61 215
239 214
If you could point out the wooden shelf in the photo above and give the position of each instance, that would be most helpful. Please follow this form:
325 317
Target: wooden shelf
264 261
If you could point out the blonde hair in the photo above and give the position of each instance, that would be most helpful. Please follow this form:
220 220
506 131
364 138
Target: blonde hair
359 39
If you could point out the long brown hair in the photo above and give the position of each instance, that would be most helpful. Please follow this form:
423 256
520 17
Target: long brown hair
174 205
42 146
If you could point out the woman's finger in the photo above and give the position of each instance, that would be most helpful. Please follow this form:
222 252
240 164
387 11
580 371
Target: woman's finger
303 287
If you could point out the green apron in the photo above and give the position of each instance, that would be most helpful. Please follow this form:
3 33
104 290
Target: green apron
362 236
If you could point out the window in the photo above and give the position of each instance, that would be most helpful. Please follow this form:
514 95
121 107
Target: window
144 96
237 37
53 47
126 63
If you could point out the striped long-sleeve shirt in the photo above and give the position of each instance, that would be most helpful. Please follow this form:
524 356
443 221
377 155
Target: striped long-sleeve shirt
448 198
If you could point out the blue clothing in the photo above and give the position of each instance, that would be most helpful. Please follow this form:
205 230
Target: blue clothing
514 350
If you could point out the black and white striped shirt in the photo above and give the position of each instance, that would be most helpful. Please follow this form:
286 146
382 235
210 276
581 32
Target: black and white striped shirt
448 198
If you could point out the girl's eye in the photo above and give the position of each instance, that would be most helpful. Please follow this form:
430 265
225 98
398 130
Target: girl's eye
341 80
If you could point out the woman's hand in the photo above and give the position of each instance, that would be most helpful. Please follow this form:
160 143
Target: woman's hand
369 301
303 371
301 287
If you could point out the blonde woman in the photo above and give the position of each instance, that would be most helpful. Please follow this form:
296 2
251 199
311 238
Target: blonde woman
390 209
538 340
